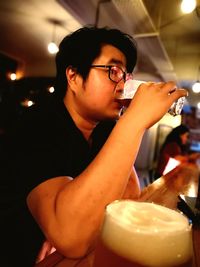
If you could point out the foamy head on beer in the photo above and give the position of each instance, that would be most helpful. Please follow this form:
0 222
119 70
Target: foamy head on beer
147 234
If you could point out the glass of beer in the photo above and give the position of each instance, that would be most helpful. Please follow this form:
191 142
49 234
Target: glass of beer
141 234
131 86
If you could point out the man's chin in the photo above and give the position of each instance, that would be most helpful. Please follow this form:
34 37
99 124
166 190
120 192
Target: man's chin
117 115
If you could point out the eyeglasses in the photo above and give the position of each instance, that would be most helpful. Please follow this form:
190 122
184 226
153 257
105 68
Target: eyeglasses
115 73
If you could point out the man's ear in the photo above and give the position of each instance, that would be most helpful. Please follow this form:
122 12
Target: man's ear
71 75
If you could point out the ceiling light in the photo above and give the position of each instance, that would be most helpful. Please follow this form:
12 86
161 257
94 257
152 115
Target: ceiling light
27 103
187 6
196 85
13 76
51 89
52 48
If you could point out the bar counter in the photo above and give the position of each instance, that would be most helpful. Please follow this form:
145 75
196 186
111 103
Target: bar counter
183 180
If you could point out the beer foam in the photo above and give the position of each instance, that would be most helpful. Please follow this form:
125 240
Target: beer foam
147 233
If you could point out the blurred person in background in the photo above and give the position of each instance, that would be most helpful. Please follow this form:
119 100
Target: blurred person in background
175 150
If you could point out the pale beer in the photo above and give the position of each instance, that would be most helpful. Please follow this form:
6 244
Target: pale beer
137 234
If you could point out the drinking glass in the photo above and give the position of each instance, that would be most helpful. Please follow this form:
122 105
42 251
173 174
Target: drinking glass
141 234
131 86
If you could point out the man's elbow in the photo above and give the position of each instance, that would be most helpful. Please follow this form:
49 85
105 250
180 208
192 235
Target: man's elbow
74 248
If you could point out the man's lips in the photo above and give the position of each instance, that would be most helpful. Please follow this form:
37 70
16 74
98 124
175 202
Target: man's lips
123 102
119 103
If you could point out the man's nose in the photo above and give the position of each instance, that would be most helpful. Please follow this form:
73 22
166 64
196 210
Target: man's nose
119 88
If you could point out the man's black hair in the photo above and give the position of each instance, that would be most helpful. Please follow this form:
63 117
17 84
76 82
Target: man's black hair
80 48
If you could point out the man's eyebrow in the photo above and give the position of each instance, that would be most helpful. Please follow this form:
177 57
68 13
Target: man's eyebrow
115 61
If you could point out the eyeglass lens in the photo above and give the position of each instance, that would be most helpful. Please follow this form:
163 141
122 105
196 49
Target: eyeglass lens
117 74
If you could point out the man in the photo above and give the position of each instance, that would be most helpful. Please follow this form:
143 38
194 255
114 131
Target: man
70 158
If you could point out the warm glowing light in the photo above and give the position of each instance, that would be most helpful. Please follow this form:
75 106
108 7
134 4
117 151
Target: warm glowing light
13 76
187 6
196 87
27 103
51 89
30 103
198 105
172 163
52 48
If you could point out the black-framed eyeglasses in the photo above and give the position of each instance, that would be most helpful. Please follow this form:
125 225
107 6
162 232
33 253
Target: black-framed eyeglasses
115 73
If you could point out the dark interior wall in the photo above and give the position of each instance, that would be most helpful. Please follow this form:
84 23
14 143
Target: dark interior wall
13 93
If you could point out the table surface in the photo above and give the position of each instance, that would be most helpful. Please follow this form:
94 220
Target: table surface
183 180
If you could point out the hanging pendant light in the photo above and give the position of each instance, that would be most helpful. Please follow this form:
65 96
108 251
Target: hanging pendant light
52 46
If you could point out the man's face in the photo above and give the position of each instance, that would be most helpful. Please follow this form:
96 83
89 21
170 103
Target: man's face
96 98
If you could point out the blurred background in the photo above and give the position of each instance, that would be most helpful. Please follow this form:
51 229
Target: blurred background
168 38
